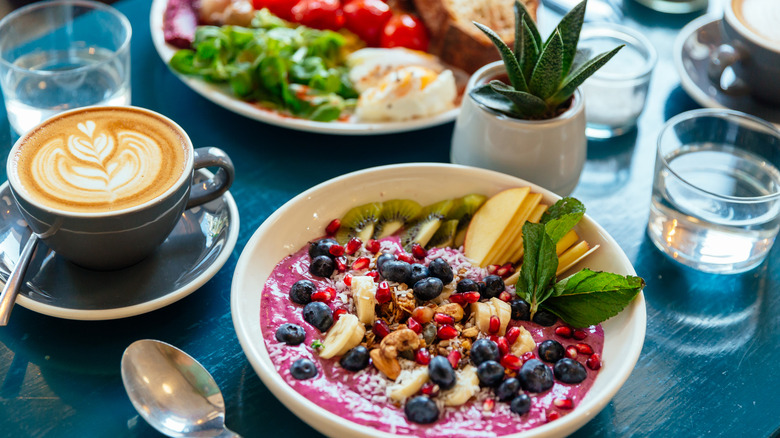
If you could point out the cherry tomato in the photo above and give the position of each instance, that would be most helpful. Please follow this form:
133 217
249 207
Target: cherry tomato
280 8
367 18
319 14
405 30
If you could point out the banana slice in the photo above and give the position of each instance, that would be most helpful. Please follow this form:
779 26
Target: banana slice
347 333
523 344
364 296
504 313
408 383
466 385
482 313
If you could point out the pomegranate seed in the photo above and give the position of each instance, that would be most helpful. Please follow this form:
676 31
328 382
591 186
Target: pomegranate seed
353 245
470 297
383 294
491 269
512 334
571 352
373 246
511 361
564 403
333 226
552 416
528 355
454 358
447 332
505 270
583 348
422 356
422 314
348 280
495 324
414 325
488 404
458 298
594 361
430 389
563 331
336 250
418 251
579 334
324 295
380 328
503 345
404 257
361 263
443 318
505 296
374 275
341 264
337 314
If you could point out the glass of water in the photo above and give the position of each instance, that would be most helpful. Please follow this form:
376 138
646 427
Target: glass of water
716 194
63 54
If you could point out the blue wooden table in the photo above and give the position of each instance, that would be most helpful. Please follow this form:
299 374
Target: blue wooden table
710 359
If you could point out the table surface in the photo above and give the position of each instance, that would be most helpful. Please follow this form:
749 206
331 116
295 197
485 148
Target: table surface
709 363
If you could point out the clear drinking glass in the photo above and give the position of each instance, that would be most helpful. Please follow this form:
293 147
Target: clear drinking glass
716 194
615 95
63 54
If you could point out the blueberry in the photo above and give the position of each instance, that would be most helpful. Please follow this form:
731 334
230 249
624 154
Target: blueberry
535 376
551 351
428 288
422 410
322 266
303 369
569 371
440 269
467 285
319 315
418 273
356 359
490 373
545 318
321 247
494 285
300 292
520 309
290 334
520 404
441 373
386 256
396 270
508 389
483 350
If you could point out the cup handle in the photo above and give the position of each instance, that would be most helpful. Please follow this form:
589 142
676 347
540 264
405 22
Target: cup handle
722 58
215 187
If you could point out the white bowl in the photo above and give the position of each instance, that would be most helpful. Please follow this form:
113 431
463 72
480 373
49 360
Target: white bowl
305 217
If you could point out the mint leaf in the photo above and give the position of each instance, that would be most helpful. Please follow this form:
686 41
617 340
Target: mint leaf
316 344
539 265
589 297
562 217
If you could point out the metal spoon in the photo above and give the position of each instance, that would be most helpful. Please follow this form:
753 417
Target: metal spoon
16 279
597 10
172 391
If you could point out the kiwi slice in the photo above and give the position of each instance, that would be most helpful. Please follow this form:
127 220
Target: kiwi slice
395 214
445 235
425 225
359 222
463 210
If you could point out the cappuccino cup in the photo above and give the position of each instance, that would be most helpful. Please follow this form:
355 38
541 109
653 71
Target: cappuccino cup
750 32
104 186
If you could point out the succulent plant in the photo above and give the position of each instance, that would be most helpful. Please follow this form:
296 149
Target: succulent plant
542 76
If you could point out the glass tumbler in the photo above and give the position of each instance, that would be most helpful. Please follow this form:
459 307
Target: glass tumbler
716 193
63 54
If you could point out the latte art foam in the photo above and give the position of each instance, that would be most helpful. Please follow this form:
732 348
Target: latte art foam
761 16
101 160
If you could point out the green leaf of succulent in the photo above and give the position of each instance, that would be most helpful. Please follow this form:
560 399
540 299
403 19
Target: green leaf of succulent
520 9
526 103
519 43
485 95
510 62
546 77
577 77
569 28
530 49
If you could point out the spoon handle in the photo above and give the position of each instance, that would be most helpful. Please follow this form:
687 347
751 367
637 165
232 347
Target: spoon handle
14 282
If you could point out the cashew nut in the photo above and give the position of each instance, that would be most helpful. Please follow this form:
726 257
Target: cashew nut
386 356
389 366
452 309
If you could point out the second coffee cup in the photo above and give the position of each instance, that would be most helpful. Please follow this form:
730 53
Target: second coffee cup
104 186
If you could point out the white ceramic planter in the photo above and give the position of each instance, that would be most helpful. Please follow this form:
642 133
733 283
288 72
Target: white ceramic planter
550 153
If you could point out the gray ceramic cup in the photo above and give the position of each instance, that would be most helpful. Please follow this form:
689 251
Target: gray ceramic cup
118 239
754 59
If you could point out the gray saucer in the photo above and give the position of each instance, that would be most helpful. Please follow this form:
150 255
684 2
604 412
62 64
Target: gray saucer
692 51
196 249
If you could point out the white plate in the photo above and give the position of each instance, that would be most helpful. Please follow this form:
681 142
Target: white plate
305 217
223 98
